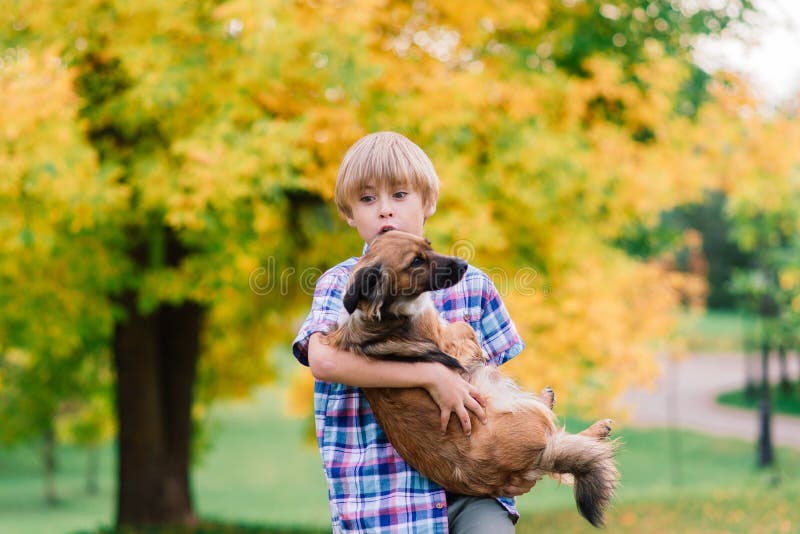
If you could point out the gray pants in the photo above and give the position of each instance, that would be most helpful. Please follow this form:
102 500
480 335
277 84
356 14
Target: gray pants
477 515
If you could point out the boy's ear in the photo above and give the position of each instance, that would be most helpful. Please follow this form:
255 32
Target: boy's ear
365 284
430 209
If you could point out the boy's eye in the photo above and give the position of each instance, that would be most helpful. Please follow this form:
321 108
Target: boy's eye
400 194
367 198
417 261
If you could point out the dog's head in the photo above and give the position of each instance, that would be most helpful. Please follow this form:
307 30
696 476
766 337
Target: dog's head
398 268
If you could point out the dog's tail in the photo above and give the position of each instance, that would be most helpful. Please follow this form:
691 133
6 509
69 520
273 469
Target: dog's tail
591 462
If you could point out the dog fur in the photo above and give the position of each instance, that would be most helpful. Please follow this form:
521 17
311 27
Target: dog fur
391 317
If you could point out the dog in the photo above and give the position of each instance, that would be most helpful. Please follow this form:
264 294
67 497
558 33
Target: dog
390 316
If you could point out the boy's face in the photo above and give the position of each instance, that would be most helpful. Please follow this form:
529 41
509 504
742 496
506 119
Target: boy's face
376 211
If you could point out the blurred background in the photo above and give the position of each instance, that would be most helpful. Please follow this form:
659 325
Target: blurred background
626 171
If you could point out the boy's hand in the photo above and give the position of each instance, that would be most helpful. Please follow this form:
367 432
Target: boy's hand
517 486
453 394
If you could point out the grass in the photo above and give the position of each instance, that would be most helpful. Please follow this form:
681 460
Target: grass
212 527
261 472
783 401
665 468
750 510
714 331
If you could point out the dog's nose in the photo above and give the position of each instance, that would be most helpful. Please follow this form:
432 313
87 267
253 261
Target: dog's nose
448 273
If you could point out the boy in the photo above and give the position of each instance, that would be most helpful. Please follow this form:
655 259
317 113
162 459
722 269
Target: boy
385 183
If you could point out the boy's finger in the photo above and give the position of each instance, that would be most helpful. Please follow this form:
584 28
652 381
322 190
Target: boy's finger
514 491
478 410
445 418
478 396
524 486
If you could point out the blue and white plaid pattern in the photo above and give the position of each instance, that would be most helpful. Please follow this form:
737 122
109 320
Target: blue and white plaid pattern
370 487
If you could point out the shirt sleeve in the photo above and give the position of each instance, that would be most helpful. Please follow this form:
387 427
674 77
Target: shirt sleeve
325 308
500 338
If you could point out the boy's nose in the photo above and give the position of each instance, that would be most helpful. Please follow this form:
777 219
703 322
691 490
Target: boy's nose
386 209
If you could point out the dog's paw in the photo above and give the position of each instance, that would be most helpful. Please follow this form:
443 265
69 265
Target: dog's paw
600 430
549 397
607 425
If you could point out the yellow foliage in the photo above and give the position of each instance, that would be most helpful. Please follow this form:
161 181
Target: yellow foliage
89 423
300 394
591 331
223 125
18 358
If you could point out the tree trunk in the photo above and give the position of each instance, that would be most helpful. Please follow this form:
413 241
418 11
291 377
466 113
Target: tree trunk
766 453
49 464
156 358
750 389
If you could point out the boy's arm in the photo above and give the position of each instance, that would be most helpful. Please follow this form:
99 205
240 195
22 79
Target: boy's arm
450 392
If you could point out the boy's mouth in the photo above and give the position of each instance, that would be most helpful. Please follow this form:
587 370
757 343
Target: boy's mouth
385 229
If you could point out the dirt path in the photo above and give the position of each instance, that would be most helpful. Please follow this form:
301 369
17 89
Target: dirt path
685 397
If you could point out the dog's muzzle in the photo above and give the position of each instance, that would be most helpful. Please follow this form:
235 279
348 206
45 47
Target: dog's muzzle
447 272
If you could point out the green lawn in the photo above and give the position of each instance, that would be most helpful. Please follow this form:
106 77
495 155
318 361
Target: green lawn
261 472
785 402
712 331
741 510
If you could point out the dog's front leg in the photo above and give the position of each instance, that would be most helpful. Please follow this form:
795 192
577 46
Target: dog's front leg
459 340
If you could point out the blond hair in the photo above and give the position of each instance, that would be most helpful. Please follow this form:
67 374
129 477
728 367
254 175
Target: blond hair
384 159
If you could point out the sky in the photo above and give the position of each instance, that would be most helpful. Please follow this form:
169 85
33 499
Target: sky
769 57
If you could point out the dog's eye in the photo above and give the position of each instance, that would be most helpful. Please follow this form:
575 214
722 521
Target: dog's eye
417 261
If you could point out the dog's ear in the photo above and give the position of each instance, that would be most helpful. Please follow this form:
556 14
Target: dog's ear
377 296
365 284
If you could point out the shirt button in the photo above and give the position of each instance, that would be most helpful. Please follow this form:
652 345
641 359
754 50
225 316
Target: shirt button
466 318
439 505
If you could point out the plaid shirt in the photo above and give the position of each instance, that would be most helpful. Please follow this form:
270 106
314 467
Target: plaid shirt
370 487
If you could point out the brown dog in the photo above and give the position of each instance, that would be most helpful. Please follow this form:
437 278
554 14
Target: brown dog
392 317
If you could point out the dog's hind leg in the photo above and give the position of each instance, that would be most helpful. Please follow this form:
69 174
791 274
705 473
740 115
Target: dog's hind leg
548 397
599 430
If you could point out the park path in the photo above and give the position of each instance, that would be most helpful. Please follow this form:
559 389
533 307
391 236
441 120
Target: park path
685 395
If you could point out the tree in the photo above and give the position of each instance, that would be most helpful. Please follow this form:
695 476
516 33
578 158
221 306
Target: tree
177 193
192 170
760 179
53 314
